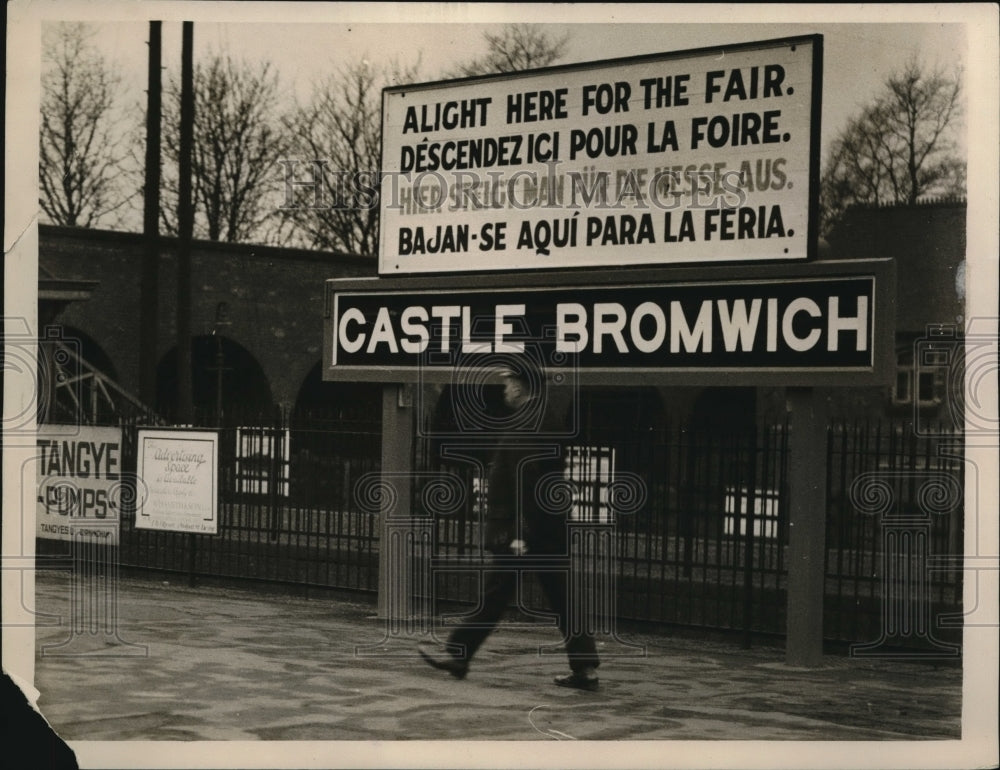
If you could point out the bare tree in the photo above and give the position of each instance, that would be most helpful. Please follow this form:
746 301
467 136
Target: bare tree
331 178
238 140
901 148
82 153
515 47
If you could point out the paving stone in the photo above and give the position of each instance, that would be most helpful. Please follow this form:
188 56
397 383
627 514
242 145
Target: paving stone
229 664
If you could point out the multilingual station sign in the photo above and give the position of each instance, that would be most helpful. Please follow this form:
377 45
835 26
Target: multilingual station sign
818 323
702 156
649 220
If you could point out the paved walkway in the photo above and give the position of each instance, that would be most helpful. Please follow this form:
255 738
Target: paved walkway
209 663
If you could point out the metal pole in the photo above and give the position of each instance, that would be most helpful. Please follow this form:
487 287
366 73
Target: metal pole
185 227
218 378
748 542
395 578
149 286
807 520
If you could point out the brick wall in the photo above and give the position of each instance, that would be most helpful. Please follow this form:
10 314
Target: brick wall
274 298
928 243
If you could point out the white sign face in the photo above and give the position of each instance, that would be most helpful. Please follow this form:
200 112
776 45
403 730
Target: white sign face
705 156
79 483
178 471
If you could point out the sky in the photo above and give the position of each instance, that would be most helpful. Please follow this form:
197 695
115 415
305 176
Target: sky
858 56
305 42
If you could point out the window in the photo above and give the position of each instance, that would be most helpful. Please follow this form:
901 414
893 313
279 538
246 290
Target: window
765 510
261 453
901 395
926 392
591 469
923 384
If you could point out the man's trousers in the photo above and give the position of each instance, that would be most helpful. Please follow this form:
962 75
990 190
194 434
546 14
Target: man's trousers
498 590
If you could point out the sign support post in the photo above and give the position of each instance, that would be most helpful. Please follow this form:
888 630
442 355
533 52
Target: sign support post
394 564
807 525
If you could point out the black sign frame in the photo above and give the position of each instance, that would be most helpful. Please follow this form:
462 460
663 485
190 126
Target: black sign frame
820 370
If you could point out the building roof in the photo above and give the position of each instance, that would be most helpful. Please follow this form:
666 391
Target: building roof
169 243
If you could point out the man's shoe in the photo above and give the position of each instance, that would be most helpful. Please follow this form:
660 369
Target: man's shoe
584 679
439 658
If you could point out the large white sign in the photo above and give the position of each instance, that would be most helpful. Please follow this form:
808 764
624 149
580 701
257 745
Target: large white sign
178 471
703 156
79 483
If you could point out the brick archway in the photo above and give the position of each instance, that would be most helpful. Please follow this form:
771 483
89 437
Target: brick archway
243 386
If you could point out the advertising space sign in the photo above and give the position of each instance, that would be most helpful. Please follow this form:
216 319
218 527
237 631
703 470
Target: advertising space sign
179 472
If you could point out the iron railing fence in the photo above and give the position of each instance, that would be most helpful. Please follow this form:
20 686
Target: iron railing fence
287 510
700 529
698 519
895 524
682 509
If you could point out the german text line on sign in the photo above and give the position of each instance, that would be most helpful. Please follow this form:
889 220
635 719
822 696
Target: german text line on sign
178 472
79 483
705 156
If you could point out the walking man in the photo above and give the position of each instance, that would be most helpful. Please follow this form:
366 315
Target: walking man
521 531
